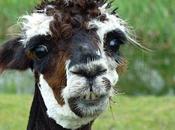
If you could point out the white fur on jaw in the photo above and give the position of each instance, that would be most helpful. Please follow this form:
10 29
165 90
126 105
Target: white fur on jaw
61 114
35 24
77 85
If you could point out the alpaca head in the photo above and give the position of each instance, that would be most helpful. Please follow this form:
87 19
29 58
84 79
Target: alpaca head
73 46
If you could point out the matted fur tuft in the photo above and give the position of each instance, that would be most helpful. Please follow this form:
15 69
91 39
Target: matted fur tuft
70 15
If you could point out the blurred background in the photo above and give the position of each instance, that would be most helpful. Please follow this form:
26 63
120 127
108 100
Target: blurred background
147 73
146 89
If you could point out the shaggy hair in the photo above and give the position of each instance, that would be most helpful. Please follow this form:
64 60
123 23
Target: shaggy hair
72 15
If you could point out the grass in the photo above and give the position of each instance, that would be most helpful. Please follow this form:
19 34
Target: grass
14 112
10 11
153 22
130 113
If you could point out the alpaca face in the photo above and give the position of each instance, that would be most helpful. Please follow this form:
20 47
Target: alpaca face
73 46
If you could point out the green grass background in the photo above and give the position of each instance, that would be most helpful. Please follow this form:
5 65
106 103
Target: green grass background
129 113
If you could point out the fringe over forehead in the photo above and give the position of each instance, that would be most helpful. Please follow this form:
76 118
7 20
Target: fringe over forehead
71 14
60 18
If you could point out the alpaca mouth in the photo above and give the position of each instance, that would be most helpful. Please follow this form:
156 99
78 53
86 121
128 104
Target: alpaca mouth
91 99
88 105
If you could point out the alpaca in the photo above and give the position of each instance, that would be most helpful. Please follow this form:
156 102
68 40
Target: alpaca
73 49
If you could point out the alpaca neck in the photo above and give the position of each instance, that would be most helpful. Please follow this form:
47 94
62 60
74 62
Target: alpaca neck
39 120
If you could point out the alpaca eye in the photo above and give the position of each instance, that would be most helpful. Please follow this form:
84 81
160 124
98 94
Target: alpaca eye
114 39
41 51
114 44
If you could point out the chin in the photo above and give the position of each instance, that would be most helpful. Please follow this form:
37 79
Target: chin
89 105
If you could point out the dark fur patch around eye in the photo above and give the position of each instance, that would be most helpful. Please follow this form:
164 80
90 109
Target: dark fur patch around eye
38 40
113 50
39 65
116 34
113 40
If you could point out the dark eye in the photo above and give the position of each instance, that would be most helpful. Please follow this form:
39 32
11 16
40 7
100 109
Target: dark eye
37 52
114 44
114 39
41 51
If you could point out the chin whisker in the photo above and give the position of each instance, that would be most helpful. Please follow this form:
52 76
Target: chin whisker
110 107
112 101
115 91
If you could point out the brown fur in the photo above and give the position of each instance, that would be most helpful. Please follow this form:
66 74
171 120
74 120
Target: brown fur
68 17
56 78
122 66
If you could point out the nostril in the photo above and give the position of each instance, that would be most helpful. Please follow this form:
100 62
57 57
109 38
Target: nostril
107 83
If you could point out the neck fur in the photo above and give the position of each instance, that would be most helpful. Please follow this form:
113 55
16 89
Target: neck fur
61 115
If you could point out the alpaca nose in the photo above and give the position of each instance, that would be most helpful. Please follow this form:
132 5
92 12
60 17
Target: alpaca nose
90 74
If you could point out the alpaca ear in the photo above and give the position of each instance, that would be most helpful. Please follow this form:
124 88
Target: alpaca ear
12 56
